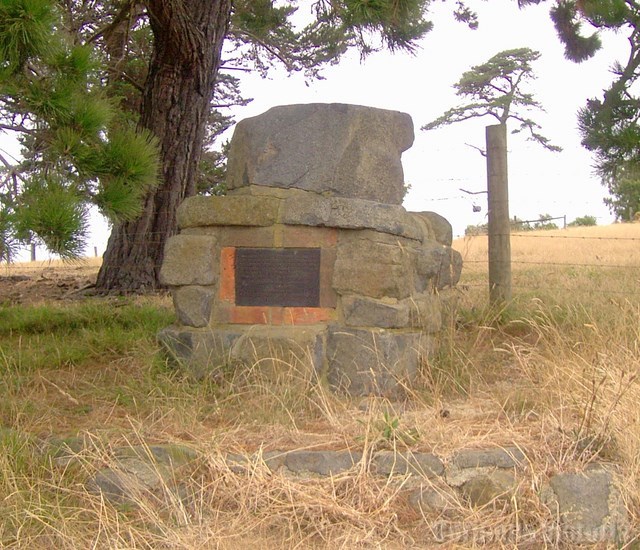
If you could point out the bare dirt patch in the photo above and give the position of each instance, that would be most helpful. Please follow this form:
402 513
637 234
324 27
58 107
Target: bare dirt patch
46 281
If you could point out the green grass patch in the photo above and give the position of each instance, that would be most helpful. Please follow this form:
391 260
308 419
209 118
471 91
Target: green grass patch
52 336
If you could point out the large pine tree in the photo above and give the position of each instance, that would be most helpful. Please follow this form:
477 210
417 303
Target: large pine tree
188 37
159 63
187 45
78 147
609 125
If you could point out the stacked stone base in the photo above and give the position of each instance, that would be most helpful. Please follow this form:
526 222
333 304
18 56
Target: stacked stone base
356 361
381 273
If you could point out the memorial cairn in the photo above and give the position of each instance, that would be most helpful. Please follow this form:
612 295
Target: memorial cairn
310 259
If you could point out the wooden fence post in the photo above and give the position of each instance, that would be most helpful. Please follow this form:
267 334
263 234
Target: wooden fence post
498 214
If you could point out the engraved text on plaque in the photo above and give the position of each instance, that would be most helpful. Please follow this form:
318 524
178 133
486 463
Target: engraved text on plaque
285 277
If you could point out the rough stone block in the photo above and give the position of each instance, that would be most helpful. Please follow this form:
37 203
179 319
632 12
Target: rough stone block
497 487
388 463
427 262
193 305
434 227
305 208
328 296
359 311
201 352
434 266
243 210
436 498
377 265
311 209
450 268
131 482
342 150
189 260
274 460
425 312
372 362
168 454
589 506
372 267
365 214
509 457
275 348
139 472
321 462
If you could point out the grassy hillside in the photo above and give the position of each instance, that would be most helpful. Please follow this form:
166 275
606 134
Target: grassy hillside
555 373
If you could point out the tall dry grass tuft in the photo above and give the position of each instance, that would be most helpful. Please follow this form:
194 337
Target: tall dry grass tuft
583 380
213 503
567 347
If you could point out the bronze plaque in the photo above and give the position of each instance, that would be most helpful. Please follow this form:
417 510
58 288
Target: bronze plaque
286 277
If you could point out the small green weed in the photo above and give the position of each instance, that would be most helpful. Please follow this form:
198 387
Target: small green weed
386 432
391 432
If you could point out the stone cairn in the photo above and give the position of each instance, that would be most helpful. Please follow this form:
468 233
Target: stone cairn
310 257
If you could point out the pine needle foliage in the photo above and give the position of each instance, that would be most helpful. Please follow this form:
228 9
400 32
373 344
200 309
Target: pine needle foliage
494 89
128 170
55 214
609 124
397 23
25 31
566 18
624 189
78 148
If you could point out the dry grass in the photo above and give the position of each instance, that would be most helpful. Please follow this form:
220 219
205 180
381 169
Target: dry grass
597 245
582 265
554 373
90 265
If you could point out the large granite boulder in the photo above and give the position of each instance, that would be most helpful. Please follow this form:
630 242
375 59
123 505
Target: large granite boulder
335 149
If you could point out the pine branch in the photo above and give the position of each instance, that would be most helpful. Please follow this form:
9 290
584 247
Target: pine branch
18 128
239 33
484 154
227 68
120 17
459 114
12 176
130 80
531 126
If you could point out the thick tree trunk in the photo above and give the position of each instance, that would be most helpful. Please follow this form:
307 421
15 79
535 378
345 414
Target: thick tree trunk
188 41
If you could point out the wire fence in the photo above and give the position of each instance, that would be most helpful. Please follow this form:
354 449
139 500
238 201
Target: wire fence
541 235
577 264
553 255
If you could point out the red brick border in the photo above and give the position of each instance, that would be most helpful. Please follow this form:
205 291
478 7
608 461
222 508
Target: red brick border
228 312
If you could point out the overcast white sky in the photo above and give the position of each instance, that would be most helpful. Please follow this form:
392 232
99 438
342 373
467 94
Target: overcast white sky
440 162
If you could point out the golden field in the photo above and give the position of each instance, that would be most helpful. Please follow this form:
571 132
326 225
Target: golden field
596 246
569 265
